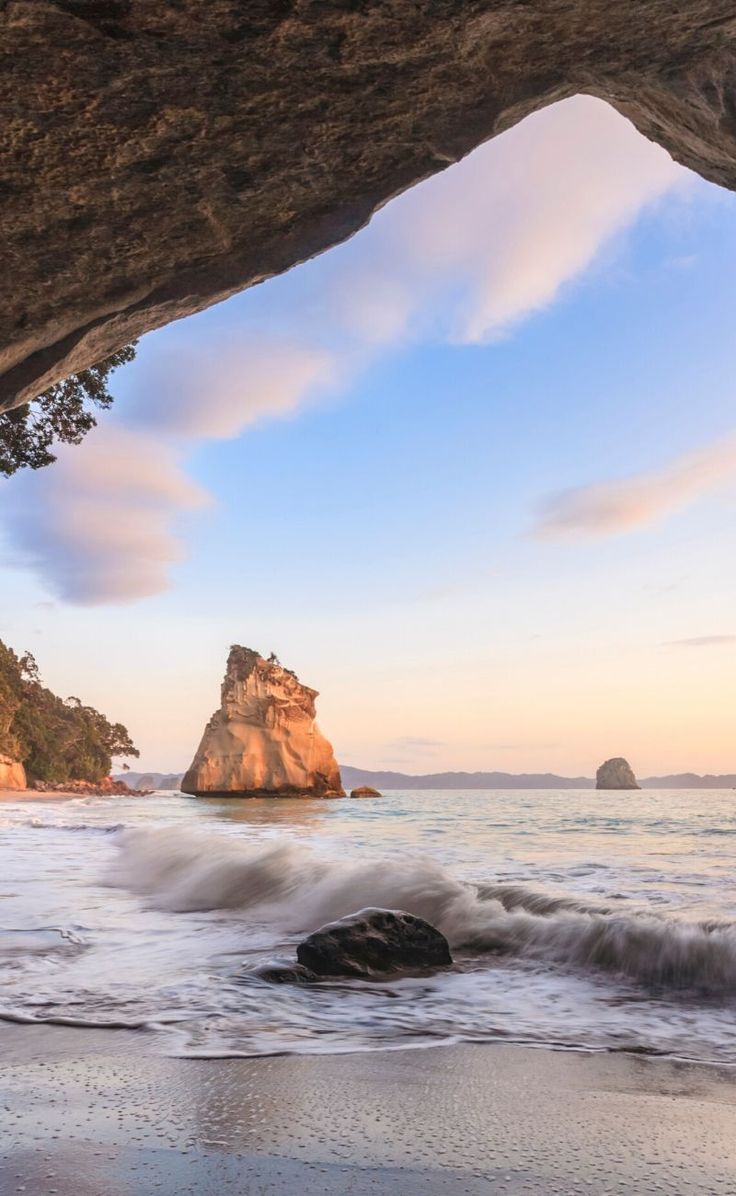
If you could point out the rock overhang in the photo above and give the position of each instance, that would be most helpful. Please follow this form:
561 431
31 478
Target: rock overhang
156 158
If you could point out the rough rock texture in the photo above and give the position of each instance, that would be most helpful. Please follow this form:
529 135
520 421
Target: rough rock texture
158 155
12 774
107 787
365 791
616 773
263 740
374 942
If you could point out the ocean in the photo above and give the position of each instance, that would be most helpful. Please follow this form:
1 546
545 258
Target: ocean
577 920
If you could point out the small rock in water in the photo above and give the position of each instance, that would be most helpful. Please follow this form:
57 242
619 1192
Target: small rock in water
616 773
373 942
365 791
284 973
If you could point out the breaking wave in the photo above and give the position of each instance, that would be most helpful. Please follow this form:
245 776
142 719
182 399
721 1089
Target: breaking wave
289 884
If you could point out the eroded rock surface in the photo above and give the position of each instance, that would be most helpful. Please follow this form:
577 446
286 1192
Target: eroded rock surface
264 739
374 942
365 791
12 774
616 773
159 155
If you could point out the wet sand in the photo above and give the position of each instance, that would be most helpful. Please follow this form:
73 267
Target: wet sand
33 795
458 1119
12 795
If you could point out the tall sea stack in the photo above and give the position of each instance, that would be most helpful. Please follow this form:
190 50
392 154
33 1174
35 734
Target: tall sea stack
263 741
616 773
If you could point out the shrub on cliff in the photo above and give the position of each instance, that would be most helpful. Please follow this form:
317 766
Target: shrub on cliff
56 739
63 413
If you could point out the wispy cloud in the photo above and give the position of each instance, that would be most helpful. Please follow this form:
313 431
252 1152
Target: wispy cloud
215 387
524 215
702 641
464 257
610 508
418 743
99 526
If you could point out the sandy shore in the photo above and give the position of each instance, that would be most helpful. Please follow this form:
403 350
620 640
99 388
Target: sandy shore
11 795
33 795
462 1119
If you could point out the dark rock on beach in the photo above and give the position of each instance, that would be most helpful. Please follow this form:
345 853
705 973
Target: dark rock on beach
107 787
374 942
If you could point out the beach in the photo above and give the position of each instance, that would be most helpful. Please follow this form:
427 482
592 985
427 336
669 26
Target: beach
582 1041
84 1114
26 795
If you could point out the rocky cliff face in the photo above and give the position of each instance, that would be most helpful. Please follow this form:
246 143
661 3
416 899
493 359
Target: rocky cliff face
156 156
264 739
12 774
616 773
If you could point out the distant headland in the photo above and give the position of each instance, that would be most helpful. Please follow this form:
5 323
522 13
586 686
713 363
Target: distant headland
353 778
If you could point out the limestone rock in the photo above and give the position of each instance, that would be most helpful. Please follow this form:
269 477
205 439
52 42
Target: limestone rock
616 773
365 791
157 156
12 774
264 739
374 942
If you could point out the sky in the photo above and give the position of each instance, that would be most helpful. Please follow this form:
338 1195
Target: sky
472 474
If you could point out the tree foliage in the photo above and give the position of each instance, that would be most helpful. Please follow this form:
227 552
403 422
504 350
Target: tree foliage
57 740
63 413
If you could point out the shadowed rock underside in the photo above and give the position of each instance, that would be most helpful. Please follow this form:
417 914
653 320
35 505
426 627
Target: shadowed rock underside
159 155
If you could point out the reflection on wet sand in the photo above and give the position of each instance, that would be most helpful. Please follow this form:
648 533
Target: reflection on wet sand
448 1120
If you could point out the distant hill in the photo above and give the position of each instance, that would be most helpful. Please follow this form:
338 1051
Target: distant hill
150 780
691 780
353 777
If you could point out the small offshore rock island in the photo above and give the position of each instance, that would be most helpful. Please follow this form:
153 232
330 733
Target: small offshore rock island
264 740
616 773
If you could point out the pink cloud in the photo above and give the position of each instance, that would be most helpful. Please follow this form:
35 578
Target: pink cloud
610 508
98 526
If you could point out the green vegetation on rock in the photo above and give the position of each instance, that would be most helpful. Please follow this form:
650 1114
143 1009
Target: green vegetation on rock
56 739
63 413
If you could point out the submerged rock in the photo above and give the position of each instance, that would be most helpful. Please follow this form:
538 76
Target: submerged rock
374 942
263 741
365 791
12 773
284 973
616 773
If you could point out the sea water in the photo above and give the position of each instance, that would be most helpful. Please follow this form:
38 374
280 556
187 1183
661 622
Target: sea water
600 921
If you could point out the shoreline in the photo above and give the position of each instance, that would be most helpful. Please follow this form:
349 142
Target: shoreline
465 1118
10 795
35 795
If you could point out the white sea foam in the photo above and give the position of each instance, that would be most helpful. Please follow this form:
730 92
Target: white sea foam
290 884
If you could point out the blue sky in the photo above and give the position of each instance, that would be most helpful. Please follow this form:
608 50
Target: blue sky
471 474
